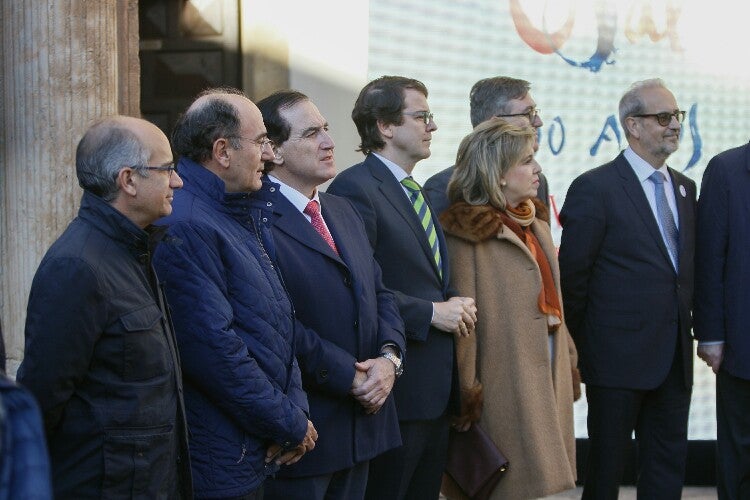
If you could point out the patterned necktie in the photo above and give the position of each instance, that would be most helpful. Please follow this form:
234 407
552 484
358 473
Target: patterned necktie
425 217
666 217
313 210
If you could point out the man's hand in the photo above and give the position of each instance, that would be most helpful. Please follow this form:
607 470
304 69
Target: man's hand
275 451
712 354
457 315
381 375
360 377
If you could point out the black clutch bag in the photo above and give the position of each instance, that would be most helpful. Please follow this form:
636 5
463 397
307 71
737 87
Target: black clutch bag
474 462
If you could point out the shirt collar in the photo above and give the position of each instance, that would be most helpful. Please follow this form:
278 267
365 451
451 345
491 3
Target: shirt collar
643 170
296 198
398 172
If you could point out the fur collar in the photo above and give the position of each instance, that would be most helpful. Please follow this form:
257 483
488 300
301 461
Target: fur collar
477 223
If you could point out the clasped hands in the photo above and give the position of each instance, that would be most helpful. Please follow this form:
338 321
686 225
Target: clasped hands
457 315
373 381
276 452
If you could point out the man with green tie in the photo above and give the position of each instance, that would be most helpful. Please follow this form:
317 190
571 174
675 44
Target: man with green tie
395 126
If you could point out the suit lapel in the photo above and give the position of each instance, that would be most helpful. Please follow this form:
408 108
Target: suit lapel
634 191
394 193
684 210
293 223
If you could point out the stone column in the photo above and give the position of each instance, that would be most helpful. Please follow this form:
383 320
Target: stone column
64 63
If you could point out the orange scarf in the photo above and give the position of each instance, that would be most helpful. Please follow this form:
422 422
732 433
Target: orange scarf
519 220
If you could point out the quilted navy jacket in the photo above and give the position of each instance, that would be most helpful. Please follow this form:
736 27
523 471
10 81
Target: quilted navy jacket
235 331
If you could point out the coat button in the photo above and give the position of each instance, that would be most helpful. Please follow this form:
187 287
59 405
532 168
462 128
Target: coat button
356 323
347 281
324 373
273 189
269 204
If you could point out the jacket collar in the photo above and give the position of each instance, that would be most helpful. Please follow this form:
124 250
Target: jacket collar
208 186
113 223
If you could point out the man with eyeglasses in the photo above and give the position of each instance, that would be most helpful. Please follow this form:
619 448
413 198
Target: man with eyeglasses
626 266
499 96
395 126
100 351
233 318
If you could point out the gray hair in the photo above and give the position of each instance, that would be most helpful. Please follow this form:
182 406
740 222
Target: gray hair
489 97
105 149
631 103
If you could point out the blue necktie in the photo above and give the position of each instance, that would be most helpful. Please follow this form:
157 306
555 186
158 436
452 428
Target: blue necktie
425 217
666 217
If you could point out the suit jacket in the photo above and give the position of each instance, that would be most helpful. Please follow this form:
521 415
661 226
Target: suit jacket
722 257
350 315
625 305
403 252
436 188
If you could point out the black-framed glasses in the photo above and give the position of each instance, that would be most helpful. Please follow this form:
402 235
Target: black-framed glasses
262 143
530 114
425 116
665 118
172 167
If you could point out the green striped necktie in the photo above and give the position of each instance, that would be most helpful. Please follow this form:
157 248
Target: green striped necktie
425 217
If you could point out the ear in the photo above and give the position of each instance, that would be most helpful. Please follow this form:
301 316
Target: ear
220 151
126 181
278 156
633 127
386 130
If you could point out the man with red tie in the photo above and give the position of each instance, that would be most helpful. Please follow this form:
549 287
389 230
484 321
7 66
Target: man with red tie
351 353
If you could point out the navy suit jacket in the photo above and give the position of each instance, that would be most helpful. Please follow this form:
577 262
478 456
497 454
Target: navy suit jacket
403 252
349 315
625 305
722 258
436 188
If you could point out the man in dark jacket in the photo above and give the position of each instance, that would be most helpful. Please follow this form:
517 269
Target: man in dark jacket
395 124
234 321
350 362
100 352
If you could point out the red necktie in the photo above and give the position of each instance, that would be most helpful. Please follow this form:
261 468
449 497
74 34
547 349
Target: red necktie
313 210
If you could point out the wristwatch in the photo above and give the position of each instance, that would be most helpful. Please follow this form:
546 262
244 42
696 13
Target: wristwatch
393 358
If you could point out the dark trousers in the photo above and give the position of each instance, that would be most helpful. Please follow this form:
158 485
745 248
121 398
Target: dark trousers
659 418
732 436
346 484
253 495
414 470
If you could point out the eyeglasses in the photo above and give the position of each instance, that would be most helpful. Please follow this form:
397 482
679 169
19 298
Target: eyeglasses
664 119
172 167
262 143
425 116
530 114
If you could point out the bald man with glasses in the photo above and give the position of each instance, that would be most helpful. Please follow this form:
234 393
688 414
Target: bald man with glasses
626 267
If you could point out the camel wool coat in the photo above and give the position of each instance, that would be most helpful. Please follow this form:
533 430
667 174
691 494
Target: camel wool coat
527 397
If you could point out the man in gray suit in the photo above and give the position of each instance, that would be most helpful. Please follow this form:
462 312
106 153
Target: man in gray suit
504 97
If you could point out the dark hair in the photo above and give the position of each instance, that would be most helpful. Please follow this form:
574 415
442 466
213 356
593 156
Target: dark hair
199 127
277 128
107 147
381 99
489 97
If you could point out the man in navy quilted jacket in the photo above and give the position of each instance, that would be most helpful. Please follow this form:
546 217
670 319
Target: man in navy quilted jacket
233 319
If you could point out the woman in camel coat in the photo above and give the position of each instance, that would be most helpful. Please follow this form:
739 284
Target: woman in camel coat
515 371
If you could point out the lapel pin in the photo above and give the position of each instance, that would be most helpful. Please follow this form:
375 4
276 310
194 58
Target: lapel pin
682 191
